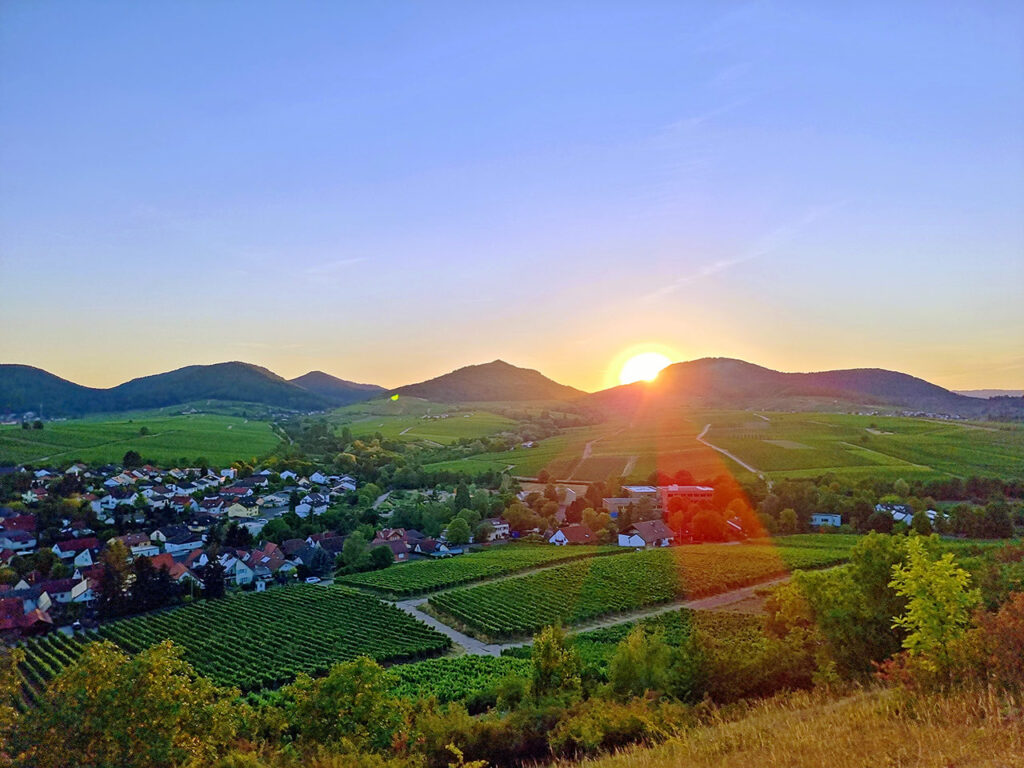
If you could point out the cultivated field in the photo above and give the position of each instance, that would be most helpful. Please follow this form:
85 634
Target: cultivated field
587 589
420 577
776 444
412 420
263 639
456 678
217 439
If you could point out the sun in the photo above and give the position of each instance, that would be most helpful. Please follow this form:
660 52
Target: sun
644 367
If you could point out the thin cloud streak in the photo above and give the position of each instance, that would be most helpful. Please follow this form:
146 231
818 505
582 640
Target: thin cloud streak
769 243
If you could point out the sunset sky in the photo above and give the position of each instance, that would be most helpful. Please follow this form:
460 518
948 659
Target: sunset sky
388 191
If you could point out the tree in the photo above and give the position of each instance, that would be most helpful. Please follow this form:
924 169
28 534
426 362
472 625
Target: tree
131 460
640 664
37 424
483 532
939 604
150 710
457 531
461 499
354 707
353 552
381 557
556 669
880 521
901 488
920 523
708 525
212 577
787 520
143 431
112 599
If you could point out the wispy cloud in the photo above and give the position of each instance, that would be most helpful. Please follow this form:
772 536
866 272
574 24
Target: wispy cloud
769 243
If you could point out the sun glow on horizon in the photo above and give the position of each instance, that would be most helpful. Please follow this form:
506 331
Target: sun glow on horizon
643 367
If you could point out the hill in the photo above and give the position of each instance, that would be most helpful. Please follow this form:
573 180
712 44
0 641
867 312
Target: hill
495 381
23 388
728 383
336 391
985 394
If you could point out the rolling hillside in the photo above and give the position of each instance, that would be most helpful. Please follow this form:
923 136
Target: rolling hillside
727 383
495 381
337 391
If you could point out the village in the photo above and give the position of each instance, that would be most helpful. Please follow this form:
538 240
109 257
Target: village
201 531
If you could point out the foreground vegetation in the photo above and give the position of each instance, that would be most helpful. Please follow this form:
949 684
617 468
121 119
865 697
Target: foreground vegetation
903 660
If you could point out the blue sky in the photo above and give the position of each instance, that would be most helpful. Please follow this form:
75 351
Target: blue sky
386 191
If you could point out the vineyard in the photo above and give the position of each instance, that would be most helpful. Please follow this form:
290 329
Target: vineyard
597 646
264 639
457 678
420 577
586 589
45 657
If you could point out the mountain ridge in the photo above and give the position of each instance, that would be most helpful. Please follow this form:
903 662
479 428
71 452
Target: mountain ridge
496 380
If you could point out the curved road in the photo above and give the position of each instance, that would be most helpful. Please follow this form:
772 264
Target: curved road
734 457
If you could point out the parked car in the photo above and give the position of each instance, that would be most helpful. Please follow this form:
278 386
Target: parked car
312 579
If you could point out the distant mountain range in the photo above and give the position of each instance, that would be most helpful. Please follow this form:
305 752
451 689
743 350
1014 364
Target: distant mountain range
495 381
985 394
710 382
728 383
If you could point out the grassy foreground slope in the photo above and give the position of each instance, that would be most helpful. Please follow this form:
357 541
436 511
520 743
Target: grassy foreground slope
218 439
877 728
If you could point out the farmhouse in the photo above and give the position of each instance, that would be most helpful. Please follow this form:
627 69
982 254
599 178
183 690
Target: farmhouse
819 519
651 533
572 534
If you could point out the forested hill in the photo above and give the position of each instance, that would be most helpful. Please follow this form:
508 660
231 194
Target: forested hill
337 391
495 381
728 383
24 388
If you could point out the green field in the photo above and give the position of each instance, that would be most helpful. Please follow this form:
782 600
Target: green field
420 577
810 444
456 678
414 420
586 589
217 439
779 445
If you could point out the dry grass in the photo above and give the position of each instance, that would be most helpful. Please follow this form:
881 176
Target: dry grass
879 729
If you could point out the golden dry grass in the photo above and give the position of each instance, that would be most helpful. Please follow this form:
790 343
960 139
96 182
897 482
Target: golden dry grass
879 729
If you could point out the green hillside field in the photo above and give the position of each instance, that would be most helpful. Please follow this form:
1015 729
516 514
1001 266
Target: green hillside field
216 438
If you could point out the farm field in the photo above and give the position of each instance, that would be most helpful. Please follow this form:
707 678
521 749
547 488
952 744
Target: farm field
412 419
587 589
810 444
215 438
258 640
420 577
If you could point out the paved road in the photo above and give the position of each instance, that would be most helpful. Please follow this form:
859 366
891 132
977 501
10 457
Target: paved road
477 647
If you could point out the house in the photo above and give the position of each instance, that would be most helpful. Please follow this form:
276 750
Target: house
572 534
78 551
435 548
313 504
616 504
68 590
238 510
138 544
819 519
288 475
399 548
501 529
902 513
647 534
17 541
17 619
640 491
344 484
236 570
181 543
178 572
318 477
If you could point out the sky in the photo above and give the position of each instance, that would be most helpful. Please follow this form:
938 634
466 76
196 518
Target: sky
387 191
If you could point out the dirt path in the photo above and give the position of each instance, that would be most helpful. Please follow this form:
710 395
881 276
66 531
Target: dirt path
630 464
405 430
734 457
588 450
478 647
